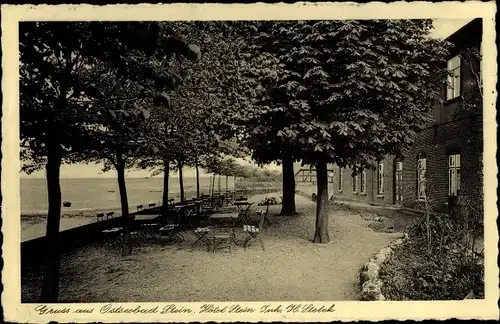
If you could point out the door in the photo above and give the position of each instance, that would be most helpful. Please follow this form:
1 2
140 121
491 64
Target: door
398 183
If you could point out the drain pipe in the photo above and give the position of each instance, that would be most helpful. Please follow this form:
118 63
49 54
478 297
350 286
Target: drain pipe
373 181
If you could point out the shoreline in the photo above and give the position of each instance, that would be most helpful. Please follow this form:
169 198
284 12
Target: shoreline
33 225
91 212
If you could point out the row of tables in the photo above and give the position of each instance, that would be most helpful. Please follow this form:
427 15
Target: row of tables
223 212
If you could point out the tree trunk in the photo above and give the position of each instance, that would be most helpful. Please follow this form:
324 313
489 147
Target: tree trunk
50 284
321 234
120 170
166 168
234 184
181 182
197 179
288 203
218 184
227 187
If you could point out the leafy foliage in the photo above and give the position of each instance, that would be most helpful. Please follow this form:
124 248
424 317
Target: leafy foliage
343 92
348 91
64 71
195 127
443 258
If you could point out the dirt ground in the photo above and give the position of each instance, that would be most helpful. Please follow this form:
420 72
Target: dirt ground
290 268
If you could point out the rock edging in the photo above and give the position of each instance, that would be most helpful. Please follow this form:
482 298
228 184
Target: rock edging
371 284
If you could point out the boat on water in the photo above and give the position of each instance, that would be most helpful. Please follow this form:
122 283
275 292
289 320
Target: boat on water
67 204
111 191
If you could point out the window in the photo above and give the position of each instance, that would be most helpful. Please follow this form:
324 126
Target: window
454 174
399 166
398 184
421 169
380 178
363 181
453 87
340 179
355 183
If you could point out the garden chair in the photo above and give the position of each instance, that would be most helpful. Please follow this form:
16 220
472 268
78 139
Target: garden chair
110 215
253 231
111 234
152 205
265 213
171 228
222 240
244 210
201 234
140 207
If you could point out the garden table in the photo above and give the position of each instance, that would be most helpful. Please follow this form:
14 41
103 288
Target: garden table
145 218
224 218
183 209
244 208
228 209
148 225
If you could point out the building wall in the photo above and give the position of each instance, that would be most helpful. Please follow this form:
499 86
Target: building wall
371 193
437 142
464 137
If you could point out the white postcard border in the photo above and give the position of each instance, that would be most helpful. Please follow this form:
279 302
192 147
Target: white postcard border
352 310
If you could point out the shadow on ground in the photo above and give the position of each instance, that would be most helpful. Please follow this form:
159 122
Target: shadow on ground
290 268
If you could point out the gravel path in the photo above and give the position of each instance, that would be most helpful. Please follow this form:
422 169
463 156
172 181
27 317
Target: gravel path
291 267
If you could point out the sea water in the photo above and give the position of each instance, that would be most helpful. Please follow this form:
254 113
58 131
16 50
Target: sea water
98 194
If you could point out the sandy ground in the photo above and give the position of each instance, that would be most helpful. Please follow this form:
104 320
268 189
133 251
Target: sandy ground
291 267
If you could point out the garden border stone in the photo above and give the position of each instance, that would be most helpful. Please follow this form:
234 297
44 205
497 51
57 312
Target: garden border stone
371 284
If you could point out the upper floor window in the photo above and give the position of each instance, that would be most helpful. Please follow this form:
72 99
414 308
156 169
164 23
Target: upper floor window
421 177
380 178
453 86
363 181
454 174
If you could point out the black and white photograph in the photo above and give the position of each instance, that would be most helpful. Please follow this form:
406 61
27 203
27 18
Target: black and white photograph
193 168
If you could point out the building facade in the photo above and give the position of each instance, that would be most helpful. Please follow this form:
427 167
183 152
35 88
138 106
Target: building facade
445 162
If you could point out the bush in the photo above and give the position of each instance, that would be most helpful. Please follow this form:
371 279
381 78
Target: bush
415 274
270 201
438 262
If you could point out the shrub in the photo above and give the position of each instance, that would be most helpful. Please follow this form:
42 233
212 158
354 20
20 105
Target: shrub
439 261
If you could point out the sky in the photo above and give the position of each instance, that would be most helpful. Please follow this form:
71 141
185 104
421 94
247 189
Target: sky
445 27
442 29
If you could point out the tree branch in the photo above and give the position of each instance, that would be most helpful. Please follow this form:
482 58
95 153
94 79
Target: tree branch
478 78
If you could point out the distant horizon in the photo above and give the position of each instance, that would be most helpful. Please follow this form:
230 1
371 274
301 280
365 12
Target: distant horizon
105 178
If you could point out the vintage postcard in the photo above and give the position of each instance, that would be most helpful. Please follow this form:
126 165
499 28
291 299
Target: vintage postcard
249 162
